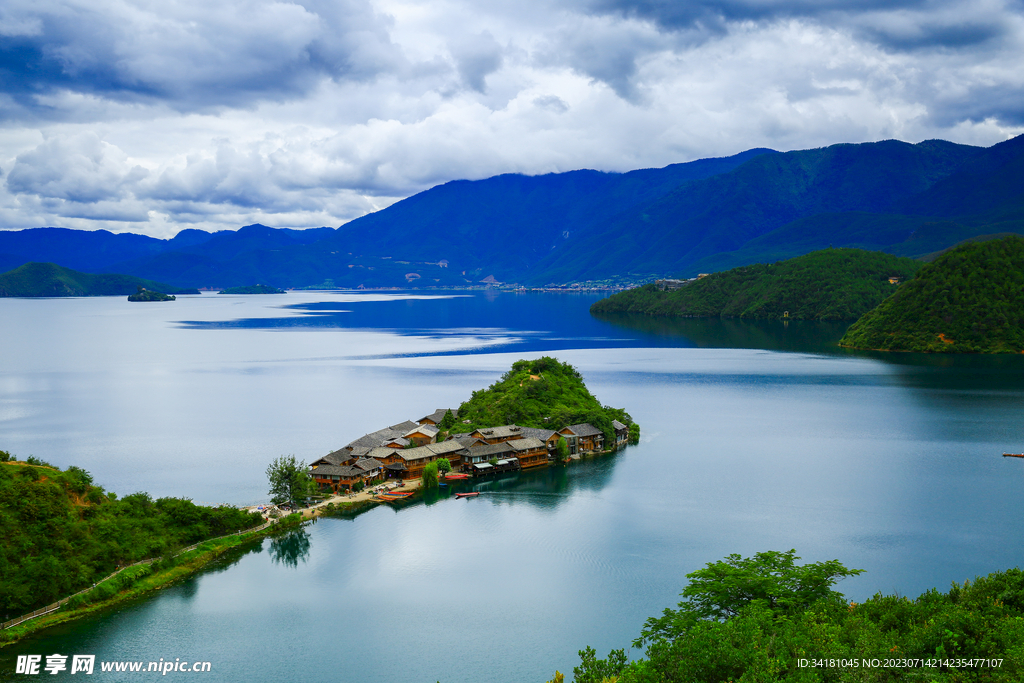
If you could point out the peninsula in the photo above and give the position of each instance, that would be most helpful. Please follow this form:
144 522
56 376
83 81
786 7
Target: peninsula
51 280
967 301
539 412
253 289
830 284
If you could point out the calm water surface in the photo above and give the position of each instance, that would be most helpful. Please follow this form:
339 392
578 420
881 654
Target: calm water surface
888 464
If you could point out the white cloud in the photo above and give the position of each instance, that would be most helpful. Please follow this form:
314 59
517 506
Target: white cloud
154 117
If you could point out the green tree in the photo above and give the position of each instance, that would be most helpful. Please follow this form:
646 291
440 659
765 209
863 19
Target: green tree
6 456
429 476
290 481
721 589
447 422
594 670
561 451
444 466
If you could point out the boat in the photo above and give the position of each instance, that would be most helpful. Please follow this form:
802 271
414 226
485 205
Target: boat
1013 455
394 496
456 476
469 494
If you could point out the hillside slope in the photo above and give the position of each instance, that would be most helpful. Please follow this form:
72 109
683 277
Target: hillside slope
834 284
967 301
51 280
62 532
544 394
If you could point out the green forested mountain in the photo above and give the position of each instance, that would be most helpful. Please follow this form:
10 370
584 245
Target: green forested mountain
49 279
969 300
542 393
61 532
702 216
832 284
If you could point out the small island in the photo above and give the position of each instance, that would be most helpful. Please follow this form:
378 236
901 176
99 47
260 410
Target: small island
253 289
967 301
149 295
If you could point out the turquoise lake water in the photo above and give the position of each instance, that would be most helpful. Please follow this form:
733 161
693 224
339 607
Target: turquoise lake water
755 437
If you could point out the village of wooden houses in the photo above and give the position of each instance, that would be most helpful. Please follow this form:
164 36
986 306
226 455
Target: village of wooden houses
401 451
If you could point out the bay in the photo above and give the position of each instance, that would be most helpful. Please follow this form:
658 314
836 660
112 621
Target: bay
887 463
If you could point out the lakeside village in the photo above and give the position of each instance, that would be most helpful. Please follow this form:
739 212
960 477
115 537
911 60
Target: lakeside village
400 453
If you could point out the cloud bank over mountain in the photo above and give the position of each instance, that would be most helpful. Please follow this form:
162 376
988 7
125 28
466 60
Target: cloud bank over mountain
154 117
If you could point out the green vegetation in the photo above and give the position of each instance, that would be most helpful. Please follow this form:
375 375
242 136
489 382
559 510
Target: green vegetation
290 481
49 279
542 393
429 476
253 289
967 301
756 619
832 284
444 466
63 533
148 295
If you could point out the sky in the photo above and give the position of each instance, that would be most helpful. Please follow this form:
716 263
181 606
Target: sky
152 116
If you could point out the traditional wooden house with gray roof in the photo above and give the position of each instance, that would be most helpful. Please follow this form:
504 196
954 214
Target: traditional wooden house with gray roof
549 436
435 417
417 458
498 434
621 433
422 434
582 438
531 452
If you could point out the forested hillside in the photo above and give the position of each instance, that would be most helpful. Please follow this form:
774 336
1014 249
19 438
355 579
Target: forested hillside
49 279
542 393
968 300
62 532
833 284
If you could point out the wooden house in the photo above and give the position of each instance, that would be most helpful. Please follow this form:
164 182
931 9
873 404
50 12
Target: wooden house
621 433
531 452
422 435
493 435
583 438
435 417
415 459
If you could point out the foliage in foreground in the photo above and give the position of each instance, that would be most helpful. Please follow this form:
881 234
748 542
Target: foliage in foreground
967 301
831 284
62 532
544 394
759 618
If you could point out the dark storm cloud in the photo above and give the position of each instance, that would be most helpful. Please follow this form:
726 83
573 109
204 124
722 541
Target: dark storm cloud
958 26
189 55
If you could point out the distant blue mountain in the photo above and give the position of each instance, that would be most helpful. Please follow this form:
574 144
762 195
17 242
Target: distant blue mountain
702 216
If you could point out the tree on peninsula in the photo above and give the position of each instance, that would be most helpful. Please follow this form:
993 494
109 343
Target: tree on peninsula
290 481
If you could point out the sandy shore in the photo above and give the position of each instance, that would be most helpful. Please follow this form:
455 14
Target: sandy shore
366 494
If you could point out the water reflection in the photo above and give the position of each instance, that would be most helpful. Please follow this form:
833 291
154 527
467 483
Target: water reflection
731 333
291 548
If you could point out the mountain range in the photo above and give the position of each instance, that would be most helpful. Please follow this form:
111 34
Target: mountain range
703 216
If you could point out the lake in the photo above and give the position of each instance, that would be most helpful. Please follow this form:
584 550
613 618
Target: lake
755 437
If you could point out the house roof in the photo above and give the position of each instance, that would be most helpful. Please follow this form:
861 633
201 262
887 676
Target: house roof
584 429
381 452
542 434
528 444
430 450
495 449
618 426
403 427
467 440
328 470
427 430
438 415
368 464
501 432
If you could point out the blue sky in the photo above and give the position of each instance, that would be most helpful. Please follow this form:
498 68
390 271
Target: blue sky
153 117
